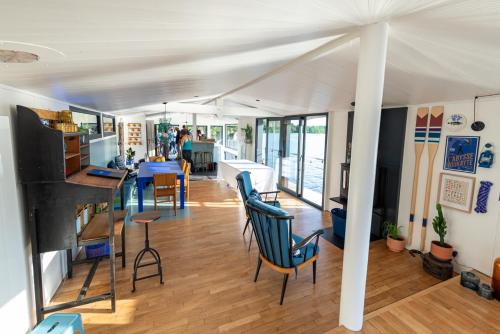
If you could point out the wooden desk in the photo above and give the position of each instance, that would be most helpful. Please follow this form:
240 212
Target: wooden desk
53 190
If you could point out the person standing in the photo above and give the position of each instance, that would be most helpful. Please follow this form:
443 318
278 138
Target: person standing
177 142
186 144
171 141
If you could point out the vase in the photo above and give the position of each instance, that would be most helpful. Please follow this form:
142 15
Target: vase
395 245
443 253
495 281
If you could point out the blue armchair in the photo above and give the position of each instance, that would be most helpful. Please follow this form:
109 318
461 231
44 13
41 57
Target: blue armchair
245 187
279 248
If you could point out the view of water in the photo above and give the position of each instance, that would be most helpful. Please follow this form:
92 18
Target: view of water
313 163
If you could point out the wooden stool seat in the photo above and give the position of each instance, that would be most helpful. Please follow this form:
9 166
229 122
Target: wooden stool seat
146 217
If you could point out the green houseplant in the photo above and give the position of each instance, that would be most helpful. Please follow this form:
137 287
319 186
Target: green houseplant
248 134
130 156
395 242
440 249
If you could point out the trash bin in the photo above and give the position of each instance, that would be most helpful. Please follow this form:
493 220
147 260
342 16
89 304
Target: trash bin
339 221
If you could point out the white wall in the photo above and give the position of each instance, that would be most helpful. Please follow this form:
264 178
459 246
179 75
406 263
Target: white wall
474 236
335 153
16 283
246 151
15 292
140 150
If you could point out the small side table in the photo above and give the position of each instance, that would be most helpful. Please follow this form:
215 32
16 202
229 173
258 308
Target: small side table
146 218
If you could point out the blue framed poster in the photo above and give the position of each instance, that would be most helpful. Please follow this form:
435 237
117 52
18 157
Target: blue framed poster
461 153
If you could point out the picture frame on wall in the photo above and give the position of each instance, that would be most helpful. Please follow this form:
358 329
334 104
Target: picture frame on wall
456 191
461 154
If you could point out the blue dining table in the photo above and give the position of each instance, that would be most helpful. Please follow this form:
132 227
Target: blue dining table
148 169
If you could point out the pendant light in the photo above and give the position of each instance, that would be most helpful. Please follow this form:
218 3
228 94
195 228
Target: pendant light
476 125
165 104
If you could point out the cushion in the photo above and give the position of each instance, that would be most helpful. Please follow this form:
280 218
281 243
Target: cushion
254 193
120 162
112 164
308 250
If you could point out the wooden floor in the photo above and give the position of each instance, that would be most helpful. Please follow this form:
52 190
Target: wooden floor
444 308
209 284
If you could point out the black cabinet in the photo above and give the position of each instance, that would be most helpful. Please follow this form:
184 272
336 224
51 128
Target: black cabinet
389 166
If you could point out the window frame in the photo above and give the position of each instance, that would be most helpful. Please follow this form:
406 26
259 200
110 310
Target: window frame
94 113
227 134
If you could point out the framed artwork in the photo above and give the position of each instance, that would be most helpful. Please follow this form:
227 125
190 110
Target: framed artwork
461 153
456 191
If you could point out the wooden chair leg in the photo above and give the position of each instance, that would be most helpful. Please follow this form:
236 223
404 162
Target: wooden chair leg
259 263
314 272
283 289
123 246
175 204
154 197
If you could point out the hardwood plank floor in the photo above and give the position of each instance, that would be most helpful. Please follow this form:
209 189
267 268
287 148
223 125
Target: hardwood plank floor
444 308
209 284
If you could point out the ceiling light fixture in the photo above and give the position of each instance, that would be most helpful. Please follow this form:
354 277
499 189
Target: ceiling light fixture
16 57
257 100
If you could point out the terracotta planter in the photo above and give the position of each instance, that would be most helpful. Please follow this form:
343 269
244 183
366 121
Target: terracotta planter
442 253
395 245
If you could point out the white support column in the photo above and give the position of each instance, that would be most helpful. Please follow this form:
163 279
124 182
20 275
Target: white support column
195 126
369 90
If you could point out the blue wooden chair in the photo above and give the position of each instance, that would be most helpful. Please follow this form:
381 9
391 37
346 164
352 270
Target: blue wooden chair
245 187
279 248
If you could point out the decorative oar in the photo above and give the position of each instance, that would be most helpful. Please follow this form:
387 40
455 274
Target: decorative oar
435 125
420 135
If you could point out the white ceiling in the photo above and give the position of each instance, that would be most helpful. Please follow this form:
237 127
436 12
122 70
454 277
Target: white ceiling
129 56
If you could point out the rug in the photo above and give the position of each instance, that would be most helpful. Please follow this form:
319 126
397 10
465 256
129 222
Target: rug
337 241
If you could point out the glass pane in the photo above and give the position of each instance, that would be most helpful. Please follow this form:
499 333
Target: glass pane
291 155
216 133
108 124
86 122
261 136
314 158
273 146
232 136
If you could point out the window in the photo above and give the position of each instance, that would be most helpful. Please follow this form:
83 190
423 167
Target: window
230 156
203 129
232 136
87 121
108 125
216 133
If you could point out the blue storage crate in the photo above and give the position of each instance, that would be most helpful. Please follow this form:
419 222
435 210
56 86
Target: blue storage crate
339 222
97 250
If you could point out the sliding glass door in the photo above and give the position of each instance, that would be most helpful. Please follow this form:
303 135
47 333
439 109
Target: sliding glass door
314 158
295 148
291 162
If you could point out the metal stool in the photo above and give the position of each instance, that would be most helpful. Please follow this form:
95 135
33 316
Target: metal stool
60 323
198 160
146 218
207 160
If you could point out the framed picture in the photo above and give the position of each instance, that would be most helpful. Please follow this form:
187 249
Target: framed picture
456 191
461 153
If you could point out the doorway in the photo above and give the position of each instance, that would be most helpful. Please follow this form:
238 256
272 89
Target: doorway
295 147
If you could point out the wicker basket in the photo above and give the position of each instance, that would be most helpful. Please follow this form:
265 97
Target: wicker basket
66 127
65 116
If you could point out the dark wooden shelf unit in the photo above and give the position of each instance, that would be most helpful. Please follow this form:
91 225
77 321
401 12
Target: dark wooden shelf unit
56 188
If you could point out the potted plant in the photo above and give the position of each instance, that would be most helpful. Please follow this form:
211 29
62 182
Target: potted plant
395 242
248 134
130 156
440 249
